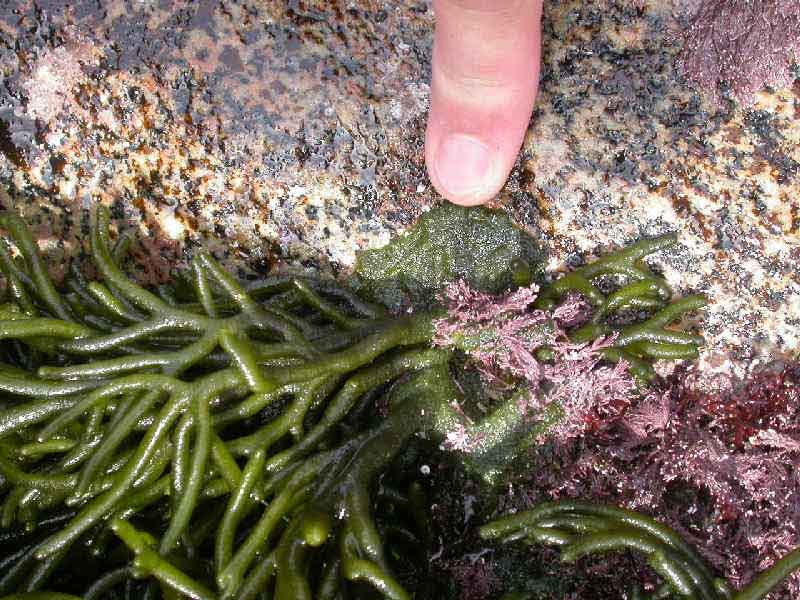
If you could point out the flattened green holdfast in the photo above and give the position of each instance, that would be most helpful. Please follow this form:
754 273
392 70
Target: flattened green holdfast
581 529
139 416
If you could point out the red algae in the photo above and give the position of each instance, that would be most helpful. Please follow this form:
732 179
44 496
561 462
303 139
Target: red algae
720 466
742 44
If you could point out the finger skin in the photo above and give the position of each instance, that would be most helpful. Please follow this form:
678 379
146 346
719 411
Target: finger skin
484 81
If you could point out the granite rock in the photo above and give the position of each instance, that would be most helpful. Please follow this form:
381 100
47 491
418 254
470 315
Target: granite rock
292 131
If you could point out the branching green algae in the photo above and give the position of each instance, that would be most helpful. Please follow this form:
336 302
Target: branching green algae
581 529
217 432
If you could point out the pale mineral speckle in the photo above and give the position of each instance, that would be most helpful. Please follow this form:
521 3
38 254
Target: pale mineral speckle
172 226
54 76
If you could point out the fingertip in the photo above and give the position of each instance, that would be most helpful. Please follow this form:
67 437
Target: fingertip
465 169
484 82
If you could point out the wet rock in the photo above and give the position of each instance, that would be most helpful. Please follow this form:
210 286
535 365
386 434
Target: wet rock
293 131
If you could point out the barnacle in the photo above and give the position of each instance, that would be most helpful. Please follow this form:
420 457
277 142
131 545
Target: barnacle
580 529
228 420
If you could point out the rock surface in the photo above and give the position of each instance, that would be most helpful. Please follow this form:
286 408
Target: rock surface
294 130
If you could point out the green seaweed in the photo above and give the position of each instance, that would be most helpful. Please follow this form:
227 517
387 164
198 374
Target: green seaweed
232 437
581 529
481 246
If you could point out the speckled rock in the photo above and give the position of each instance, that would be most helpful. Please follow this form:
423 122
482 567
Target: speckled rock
620 147
293 130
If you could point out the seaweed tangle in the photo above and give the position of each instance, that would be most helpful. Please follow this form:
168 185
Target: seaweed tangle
233 437
582 529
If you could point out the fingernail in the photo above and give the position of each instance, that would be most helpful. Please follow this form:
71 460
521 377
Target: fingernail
463 165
